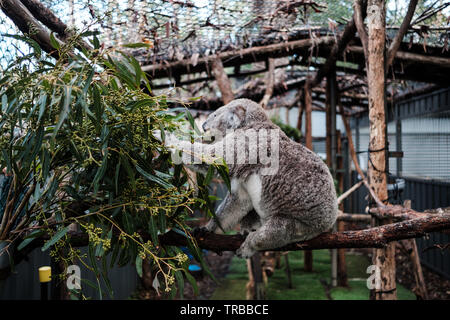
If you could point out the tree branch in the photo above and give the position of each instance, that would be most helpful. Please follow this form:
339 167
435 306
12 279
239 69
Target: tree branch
269 81
400 33
337 49
28 24
51 21
222 80
359 7
377 237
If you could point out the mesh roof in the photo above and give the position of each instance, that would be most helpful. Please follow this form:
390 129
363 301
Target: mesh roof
177 28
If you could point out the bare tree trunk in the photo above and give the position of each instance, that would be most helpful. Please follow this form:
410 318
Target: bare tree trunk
222 81
270 79
384 259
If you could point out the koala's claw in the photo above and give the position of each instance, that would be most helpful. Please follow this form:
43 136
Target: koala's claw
199 231
245 252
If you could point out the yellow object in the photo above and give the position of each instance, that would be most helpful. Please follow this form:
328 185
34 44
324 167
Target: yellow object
45 274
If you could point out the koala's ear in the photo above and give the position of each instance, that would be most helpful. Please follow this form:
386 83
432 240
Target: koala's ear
240 112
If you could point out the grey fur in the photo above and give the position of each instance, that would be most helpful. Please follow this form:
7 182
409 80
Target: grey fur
296 203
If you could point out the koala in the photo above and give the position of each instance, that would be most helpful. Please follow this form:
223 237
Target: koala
296 201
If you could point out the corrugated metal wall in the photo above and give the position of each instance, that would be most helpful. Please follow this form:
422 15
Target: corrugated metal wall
425 142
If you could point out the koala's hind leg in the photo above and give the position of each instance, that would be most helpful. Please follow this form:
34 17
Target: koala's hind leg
250 222
276 232
230 211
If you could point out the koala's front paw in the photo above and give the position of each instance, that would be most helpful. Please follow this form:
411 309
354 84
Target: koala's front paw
170 140
245 251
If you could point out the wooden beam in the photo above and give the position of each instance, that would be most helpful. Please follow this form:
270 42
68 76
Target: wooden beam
411 57
253 54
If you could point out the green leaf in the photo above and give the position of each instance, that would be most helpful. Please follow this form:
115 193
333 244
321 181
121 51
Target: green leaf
36 47
137 45
64 110
55 43
89 283
195 98
42 104
192 122
114 255
192 281
180 282
100 173
223 172
58 235
154 178
139 265
29 238
209 175
153 230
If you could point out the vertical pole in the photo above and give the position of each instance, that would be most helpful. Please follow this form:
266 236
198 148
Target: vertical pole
341 225
331 155
308 117
398 138
45 276
383 259
254 266
288 270
308 261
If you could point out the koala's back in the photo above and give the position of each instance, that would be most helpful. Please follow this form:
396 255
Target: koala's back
302 187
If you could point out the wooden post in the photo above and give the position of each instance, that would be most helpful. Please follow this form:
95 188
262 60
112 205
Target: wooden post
288 269
411 248
331 153
341 225
308 256
383 259
222 80
255 286
301 108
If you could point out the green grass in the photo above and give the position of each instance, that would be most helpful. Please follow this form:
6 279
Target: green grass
307 285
